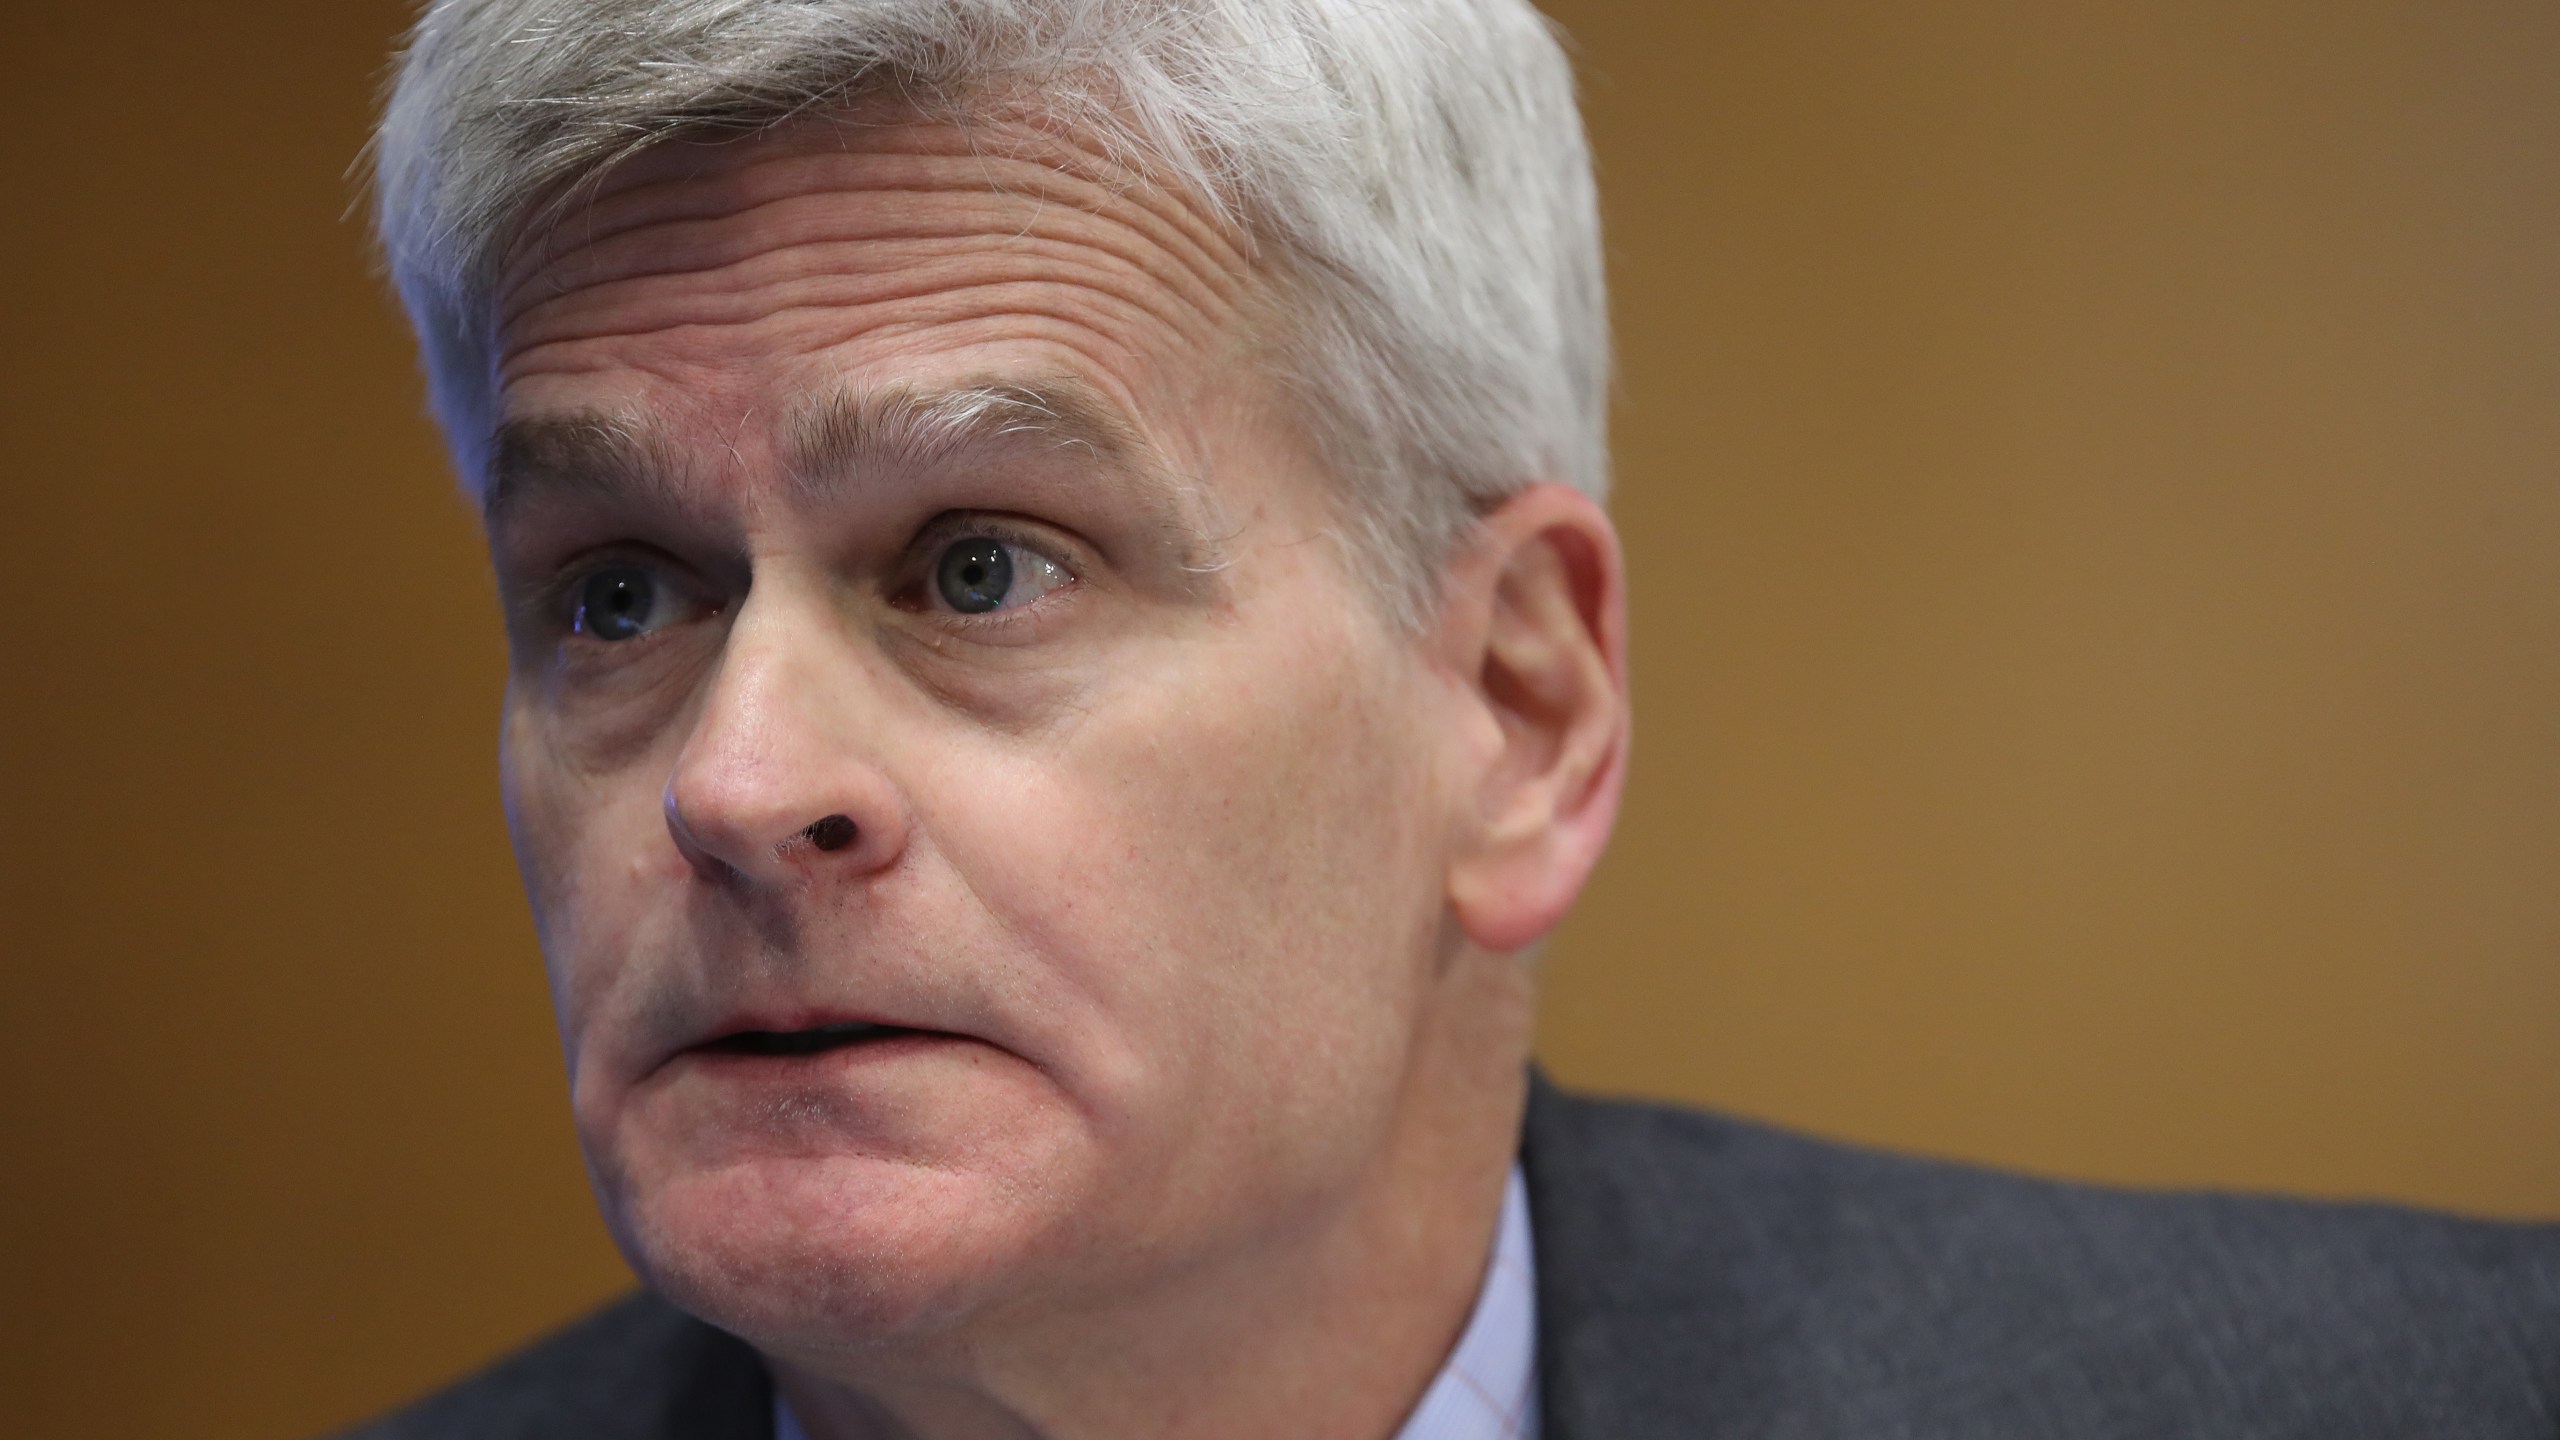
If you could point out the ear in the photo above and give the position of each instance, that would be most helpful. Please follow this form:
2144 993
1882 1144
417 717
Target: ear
1533 625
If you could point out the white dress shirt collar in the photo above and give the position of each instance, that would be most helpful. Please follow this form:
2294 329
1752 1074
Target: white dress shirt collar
1489 1388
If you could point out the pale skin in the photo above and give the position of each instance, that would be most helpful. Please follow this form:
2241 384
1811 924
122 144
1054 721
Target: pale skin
1194 884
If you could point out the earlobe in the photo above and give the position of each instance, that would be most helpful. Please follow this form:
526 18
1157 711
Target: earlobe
1546 651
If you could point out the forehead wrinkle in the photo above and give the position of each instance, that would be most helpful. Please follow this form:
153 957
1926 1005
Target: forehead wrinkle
848 430
870 286
677 221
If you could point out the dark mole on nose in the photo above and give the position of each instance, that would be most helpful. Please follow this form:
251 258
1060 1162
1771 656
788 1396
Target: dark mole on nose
833 833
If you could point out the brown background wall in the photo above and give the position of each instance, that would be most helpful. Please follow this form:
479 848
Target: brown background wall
2090 471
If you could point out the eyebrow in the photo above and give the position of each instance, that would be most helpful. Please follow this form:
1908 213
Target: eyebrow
847 433
584 454
848 429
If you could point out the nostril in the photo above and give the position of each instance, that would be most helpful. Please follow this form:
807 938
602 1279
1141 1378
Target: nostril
831 834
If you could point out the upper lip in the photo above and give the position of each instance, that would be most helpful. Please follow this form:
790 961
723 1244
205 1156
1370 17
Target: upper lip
778 1016
797 1022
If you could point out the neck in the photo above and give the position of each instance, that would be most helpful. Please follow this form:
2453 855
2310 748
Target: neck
1335 1329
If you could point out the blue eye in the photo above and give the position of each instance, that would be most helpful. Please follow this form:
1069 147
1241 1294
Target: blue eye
974 575
616 604
977 574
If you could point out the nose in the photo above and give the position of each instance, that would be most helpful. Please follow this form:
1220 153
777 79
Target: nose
781 779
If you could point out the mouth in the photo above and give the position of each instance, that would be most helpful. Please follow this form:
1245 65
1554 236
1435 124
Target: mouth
816 1040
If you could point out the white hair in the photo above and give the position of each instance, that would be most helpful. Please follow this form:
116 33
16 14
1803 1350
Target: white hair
1412 174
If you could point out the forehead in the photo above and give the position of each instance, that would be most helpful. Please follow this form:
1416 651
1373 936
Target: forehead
746 283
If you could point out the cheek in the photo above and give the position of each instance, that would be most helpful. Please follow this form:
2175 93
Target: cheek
1231 858
592 848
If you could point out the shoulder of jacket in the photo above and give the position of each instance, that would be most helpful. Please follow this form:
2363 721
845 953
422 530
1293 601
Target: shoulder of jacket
1856 1280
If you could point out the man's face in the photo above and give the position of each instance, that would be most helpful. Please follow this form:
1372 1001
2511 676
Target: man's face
923 616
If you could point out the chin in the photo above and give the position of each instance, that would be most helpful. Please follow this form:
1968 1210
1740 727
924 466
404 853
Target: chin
812 1256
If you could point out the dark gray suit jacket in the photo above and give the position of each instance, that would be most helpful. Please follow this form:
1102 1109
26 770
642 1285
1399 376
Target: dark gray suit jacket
1707 1279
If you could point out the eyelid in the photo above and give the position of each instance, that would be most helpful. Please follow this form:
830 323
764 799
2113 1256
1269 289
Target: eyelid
961 524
